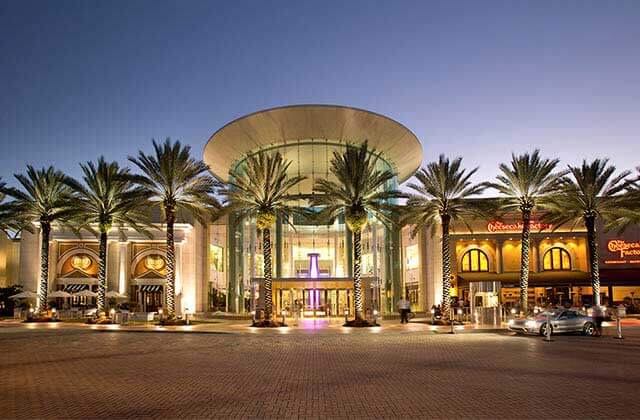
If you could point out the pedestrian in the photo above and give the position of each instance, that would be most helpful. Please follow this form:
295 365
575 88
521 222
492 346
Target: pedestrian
597 314
405 308
296 312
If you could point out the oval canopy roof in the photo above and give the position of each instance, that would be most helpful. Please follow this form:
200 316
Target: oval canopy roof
399 146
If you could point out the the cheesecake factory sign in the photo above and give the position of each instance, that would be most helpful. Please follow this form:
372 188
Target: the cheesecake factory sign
496 226
625 252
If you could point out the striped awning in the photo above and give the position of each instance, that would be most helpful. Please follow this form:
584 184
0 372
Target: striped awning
151 288
74 288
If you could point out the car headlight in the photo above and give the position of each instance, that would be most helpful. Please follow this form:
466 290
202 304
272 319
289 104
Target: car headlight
510 322
531 324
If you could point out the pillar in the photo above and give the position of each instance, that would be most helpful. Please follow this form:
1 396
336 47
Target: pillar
499 260
123 267
536 255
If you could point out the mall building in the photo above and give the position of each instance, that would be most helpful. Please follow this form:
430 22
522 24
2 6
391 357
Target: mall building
219 266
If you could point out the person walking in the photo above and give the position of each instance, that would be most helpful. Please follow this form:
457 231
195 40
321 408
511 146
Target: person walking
296 312
598 317
405 307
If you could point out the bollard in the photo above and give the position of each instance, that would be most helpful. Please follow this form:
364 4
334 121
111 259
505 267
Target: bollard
547 335
284 314
346 315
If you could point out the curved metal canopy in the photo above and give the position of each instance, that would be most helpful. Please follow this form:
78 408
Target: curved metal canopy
289 124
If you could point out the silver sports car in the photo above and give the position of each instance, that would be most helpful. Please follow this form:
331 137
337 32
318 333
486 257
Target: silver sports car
562 320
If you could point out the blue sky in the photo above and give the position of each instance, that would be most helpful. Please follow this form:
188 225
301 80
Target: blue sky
79 79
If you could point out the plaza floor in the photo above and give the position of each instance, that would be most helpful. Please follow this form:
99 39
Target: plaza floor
76 372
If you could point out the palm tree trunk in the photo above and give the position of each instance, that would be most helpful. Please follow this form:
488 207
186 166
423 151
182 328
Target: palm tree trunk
43 290
446 267
268 291
357 282
594 260
171 264
524 261
102 273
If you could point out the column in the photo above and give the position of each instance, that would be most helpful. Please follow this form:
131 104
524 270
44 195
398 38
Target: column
234 254
499 261
179 280
536 255
123 267
278 248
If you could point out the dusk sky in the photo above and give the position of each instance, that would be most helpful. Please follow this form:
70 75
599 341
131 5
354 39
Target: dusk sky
476 79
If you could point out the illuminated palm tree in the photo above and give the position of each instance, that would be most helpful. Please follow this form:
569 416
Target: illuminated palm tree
261 189
11 221
526 184
443 190
628 213
590 192
45 198
109 197
360 188
176 182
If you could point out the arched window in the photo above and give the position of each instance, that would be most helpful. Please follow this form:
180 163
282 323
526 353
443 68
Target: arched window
475 260
556 259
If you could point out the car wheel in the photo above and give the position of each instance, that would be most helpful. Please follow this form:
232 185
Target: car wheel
543 329
589 329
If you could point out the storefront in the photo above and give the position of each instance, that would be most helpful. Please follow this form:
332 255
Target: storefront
620 266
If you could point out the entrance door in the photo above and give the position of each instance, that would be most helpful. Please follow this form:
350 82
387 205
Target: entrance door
152 301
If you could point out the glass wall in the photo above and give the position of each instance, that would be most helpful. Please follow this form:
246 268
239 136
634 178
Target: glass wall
293 242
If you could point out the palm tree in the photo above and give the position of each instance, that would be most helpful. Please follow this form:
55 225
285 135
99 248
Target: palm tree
526 184
590 191
628 213
176 182
109 197
359 189
443 192
11 222
261 189
45 198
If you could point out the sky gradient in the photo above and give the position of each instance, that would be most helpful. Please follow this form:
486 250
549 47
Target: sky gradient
80 79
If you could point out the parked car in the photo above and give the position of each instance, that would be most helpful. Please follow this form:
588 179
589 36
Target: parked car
562 321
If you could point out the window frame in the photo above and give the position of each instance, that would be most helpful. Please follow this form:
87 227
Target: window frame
553 267
479 254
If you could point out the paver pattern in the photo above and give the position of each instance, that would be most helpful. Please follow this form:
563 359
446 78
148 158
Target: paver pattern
73 373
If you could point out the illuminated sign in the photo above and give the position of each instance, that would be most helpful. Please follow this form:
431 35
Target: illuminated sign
624 250
497 226
413 257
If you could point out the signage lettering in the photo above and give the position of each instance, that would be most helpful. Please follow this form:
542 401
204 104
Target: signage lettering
626 249
497 226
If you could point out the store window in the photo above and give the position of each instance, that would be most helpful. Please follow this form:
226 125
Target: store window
556 259
475 260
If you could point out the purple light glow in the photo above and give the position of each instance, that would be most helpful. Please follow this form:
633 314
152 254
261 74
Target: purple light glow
314 269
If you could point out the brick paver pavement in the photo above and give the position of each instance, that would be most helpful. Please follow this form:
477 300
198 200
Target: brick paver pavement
67 373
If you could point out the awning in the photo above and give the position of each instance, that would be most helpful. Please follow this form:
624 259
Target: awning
151 288
75 288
